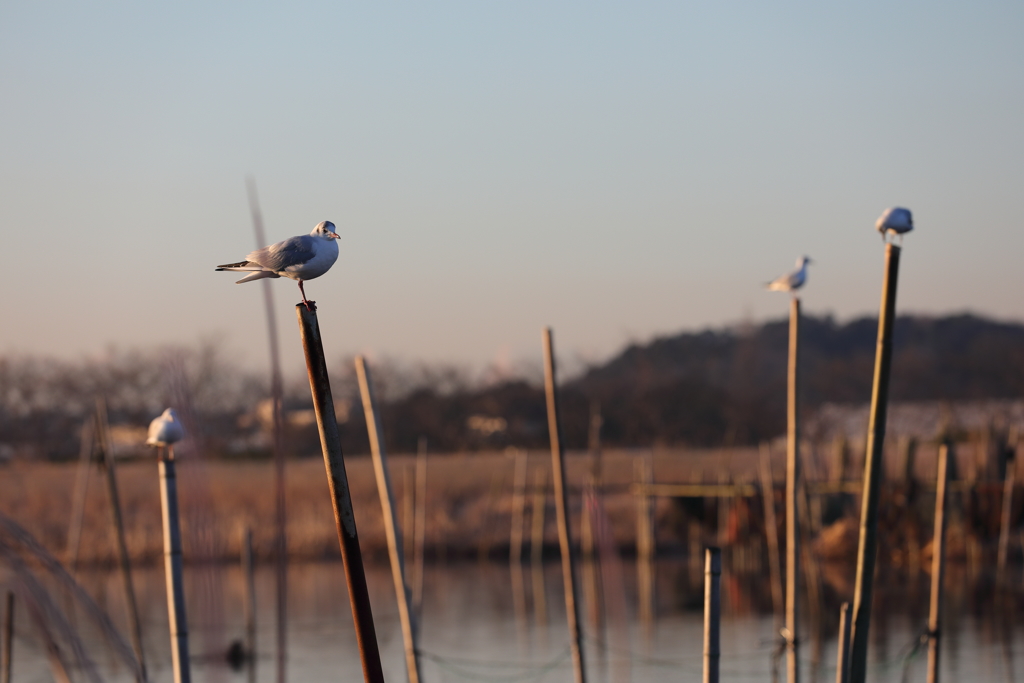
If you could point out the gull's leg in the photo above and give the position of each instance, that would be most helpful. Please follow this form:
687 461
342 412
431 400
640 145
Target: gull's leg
310 305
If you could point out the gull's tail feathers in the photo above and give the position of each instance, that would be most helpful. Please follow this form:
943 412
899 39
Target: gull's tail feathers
241 265
258 275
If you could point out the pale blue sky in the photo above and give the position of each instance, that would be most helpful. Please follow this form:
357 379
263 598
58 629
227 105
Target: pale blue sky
615 170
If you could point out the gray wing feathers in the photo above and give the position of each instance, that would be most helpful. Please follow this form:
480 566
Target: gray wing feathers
293 251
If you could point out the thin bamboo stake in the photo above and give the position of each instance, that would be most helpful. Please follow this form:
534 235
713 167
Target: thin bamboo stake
341 499
712 613
1009 479
867 551
562 508
391 531
515 545
538 506
644 547
173 568
420 525
7 638
117 522
85 453
792 481
938 566
248 571
408 518
280 511
843 645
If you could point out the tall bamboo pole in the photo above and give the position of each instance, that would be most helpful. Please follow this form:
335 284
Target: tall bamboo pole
276 391
7 638
173 568
843 645
712 613
420 525
391 531
117 522
562 508
792 481
771 532
248 571
341 499
867 548
85 453
938 566
644 545
1009 479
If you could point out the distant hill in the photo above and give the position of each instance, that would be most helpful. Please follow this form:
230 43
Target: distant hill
727 387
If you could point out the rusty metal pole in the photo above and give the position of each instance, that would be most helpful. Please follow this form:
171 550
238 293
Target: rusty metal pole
117 521
1009 479
792 483
341 499
391 531
867 551
712 613
173 568
562 508
771 532
938 565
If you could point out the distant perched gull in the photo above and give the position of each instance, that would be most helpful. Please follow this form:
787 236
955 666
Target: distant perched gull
165 430
792 281
300 258
896 221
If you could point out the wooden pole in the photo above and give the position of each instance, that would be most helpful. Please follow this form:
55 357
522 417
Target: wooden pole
420 524
391 531
712 613
867 551
515 543
173 569
562 507
85 453
644 545
409 520
538 504
248 571
938 566
1009 479
843 645
117 522
771 530
341 499
7 647
280 513
792 480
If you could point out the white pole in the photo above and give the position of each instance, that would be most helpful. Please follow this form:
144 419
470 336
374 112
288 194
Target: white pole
173 570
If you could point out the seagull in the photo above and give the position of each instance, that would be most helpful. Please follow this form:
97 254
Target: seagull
790 282
300 258
895 220
165 430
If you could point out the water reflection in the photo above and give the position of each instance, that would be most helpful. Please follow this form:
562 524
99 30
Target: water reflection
480 623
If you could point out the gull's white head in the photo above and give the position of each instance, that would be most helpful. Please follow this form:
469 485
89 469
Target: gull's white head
325 230
169 414
896 220
803 261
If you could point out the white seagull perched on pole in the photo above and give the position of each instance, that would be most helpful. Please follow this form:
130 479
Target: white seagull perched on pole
165 430
792 281
895 220
299 258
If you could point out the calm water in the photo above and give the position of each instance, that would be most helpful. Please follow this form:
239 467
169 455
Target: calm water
473 630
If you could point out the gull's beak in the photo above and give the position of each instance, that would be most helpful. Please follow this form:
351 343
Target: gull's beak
334 235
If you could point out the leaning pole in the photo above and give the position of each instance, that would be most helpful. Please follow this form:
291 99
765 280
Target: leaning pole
867 551
341 498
